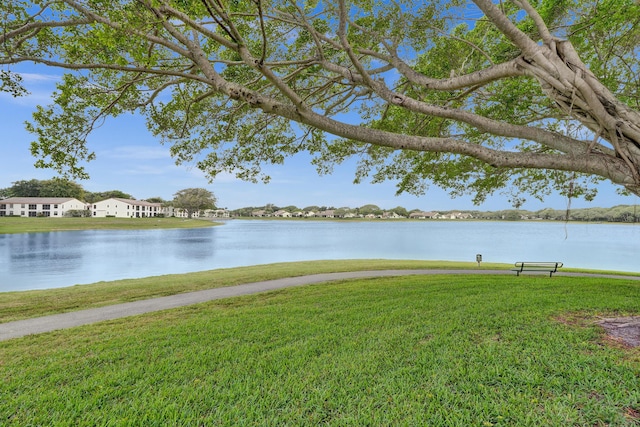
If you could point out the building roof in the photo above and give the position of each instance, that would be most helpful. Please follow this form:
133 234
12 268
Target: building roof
421 213
133 202
38 200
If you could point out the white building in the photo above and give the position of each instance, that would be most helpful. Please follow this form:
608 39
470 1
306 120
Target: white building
181 213
55 207
126 208
422 215
282 214
217 213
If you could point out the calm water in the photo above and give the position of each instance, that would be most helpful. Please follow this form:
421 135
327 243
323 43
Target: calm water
58 259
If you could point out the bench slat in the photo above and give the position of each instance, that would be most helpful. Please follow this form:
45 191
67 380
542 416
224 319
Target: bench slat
551 267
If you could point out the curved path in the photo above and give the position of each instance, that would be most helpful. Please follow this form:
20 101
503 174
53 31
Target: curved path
54 322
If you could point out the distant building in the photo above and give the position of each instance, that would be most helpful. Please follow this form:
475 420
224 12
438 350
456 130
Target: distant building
391 215
282 214
127 208
181 213
217 213
454 215
55 207
422 215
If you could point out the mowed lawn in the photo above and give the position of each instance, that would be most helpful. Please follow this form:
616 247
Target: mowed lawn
35 225
441 350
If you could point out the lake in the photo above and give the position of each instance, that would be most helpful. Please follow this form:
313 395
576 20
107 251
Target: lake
58 259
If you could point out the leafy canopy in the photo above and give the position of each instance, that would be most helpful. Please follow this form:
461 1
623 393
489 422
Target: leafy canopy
535 96
193 200
55 187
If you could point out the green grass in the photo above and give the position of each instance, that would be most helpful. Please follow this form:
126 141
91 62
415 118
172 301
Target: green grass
428 350
25 304
33 225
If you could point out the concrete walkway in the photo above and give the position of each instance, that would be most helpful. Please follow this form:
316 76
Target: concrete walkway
38 325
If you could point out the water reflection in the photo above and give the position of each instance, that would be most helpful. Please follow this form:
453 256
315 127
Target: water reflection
58 250
193 244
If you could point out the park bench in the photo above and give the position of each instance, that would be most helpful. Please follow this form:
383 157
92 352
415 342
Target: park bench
550 267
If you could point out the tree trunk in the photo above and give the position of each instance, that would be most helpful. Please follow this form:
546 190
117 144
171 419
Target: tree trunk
579 94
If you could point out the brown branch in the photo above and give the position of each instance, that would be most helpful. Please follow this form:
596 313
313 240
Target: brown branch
262 30
207 4
40 25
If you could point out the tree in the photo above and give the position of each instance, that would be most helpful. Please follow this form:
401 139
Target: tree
270 208
532 95
193 200
110 194
25 188
60 187
244 212
401 211
370 210
55 187
156 200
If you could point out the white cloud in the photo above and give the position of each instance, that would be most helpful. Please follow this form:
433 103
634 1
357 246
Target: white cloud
144 170
225 178
137 152
35 97
39 86
39 78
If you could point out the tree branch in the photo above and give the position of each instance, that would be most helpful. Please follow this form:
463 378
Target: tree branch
513 68
543 31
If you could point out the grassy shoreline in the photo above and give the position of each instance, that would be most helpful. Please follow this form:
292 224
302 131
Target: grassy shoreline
443 350
17 305
11 225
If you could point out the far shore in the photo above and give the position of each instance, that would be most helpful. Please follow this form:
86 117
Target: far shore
11 225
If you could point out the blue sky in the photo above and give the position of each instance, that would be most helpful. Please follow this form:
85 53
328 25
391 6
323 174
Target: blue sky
130 159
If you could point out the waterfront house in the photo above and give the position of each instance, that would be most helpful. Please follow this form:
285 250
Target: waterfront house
391 215
55 207
454 215
127 208
330 213
282 214
217 213
422 215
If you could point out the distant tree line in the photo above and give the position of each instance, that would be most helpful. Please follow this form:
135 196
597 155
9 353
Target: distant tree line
363 210
620 213
60 187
